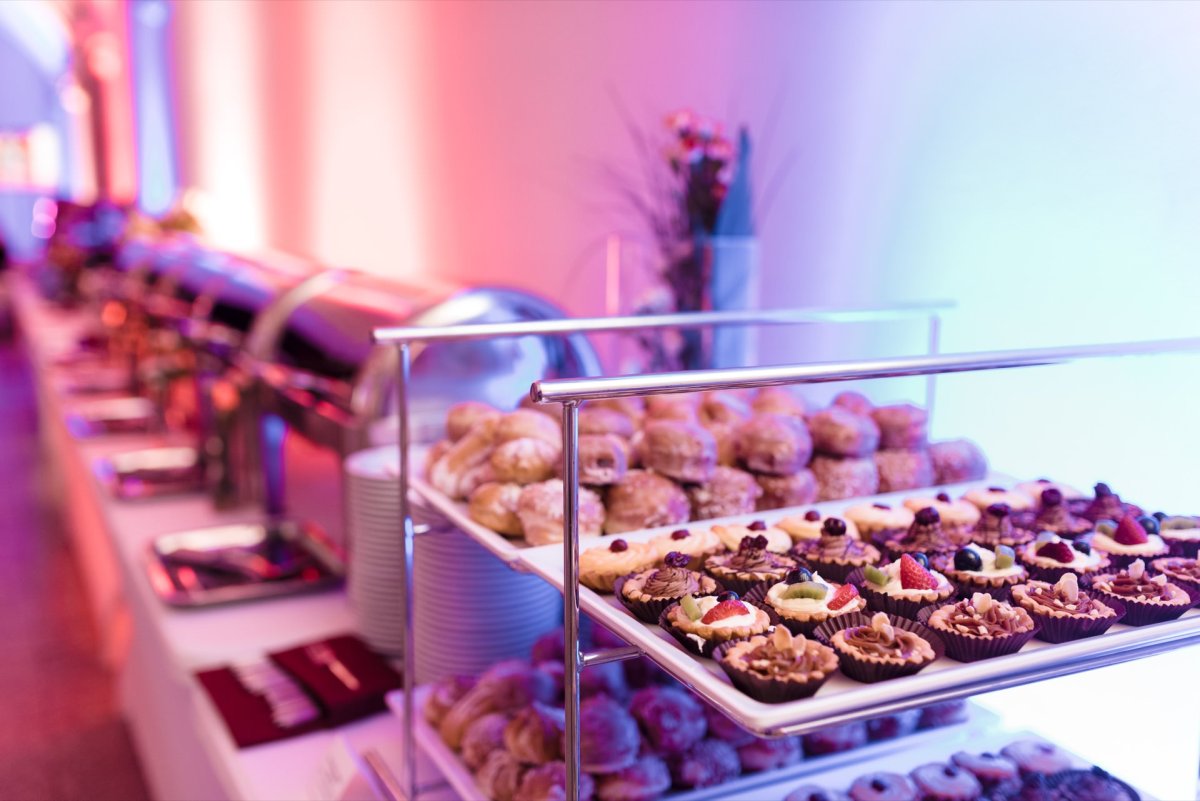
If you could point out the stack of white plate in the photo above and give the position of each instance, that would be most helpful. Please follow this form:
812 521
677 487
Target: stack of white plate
471 610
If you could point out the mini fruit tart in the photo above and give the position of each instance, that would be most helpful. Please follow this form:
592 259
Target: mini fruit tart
1182 535
980 627
648 593
701 623
803 600
925 535
959 518
996 527
835 554
1064 611
1104 505
1051 557
879 521
777 667
698 544
1054 516
731 536
880 646
1148 599
903 587
808 526
977 569
1132 538
601 566
752 564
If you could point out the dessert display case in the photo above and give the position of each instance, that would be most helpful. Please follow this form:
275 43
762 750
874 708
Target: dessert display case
841 700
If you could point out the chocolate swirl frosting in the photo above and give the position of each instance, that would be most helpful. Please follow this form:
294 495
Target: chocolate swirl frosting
834 548
672 582
927 537
1139 588
886 641
1052 597
779 657
752 560
988 619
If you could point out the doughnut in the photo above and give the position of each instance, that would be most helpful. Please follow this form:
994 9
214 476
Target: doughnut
526 460
811 792
505 687
499 777
773 444
834 739
778 400
633 408
608 736
604 421
837 432
462 417
495 506
708 763
722 408
603 459
534 735
881 786
904 470
939 780
671 720
450 474
647 779
729 492
844 478
540 508
645 500
726 438
780 492
854 402
483 736
445 693
958 460
524 423
763 754
902 427
436 451
548 782
684 408
683 451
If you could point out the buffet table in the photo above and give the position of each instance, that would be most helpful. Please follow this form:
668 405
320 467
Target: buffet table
184 748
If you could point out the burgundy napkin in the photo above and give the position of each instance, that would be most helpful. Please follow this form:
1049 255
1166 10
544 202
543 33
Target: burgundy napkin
248 716
340 703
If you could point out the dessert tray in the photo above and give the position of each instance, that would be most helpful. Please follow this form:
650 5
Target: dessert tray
764 785
242 562
151 472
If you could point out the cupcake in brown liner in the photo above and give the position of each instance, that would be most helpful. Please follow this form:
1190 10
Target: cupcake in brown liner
1182 535
835 554
996 527
878 522
777 667
1050 557
804 600
903 587
1148 599
1054 515
749 566
702 623
1065 612
980 627
959 518
648 593
1183 571
1105 505
602 565
1129 539
880 646
975 569
925 535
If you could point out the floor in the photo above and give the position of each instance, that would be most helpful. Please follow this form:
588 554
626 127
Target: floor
61 735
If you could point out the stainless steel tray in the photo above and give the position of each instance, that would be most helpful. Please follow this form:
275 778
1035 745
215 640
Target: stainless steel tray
216 565
127 415
151 472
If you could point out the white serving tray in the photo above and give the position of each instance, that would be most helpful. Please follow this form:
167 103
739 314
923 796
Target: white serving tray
841 699
763 784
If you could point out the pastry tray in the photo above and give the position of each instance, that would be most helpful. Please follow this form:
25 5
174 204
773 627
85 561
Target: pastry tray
125 415
751 785
841 699
151 472
301 552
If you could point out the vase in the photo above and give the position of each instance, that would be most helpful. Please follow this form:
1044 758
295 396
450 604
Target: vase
731 270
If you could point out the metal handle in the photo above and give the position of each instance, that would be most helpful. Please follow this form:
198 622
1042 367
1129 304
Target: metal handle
569 390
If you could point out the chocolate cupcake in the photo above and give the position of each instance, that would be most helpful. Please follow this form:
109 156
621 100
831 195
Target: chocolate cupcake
648 593
1104 505
1055 516
1147 599
925 535
959 517
980 627
749 566
777 667
835 554
1182 535
1181 570
1065 612
977 569
804 600
995 527
903 587
1051 557
881 646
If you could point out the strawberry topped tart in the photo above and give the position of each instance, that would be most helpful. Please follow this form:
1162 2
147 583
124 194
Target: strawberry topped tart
1132 538
700 623
804 600
903 587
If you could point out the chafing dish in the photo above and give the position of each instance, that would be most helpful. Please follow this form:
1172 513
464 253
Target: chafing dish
324 392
